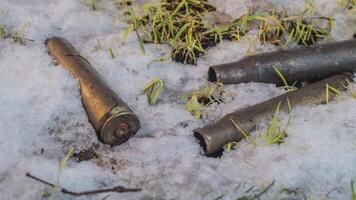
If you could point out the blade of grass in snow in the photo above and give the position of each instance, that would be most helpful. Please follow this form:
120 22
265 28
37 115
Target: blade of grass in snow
275 132
140 42
330 88
289 38
112 55
18 36
161 58
247 136
179 33
3 31
62 164
93 5
290 113
272 134
194 107
286 86
257 194
230 145
353 190
210 93
153 89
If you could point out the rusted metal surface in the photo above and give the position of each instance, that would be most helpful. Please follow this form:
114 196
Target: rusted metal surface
301 64
112 119
214 137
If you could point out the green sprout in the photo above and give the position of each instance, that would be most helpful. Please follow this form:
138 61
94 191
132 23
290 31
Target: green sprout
193 106
180 23
329 88
93 5
286 86
112 55
349 87
140 43
290 37
275 132
123 2
256 194
244 133
353 94
219 32
18 36
62 164
161 58
187 50
353 190
306 33
177 23
202 98
136 22
350 4
153 89
229 146
271 28
3 31
207 91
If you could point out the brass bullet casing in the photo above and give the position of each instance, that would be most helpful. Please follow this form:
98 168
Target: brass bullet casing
113 121
213 137
296 65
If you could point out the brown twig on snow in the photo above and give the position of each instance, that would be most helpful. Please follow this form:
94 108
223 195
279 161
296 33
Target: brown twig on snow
118 189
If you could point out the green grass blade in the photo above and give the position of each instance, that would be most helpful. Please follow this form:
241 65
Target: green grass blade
290 113
140 42
153 89
332 89
180 32
62 164
272 129
353 190
193 106
112 55
247 136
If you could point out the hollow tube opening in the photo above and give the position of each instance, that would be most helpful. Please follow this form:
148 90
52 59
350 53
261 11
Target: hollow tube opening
202 142
212 75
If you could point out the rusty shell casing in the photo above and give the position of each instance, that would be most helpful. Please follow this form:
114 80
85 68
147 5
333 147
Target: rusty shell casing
300 64
214 137
111 118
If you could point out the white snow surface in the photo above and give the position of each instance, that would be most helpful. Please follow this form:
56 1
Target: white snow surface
41 115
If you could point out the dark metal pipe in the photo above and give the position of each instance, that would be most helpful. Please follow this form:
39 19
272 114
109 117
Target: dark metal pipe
301 64
214 137
111 118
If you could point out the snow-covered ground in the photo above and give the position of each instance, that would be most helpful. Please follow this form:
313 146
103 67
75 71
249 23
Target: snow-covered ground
41 115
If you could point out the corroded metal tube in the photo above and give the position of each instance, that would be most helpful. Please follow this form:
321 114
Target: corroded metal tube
111 118
214 137
301 64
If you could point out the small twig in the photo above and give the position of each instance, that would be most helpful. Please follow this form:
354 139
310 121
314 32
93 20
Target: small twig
118 189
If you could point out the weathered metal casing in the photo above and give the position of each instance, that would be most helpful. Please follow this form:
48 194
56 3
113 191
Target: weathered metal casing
112 119
301 64
214 137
